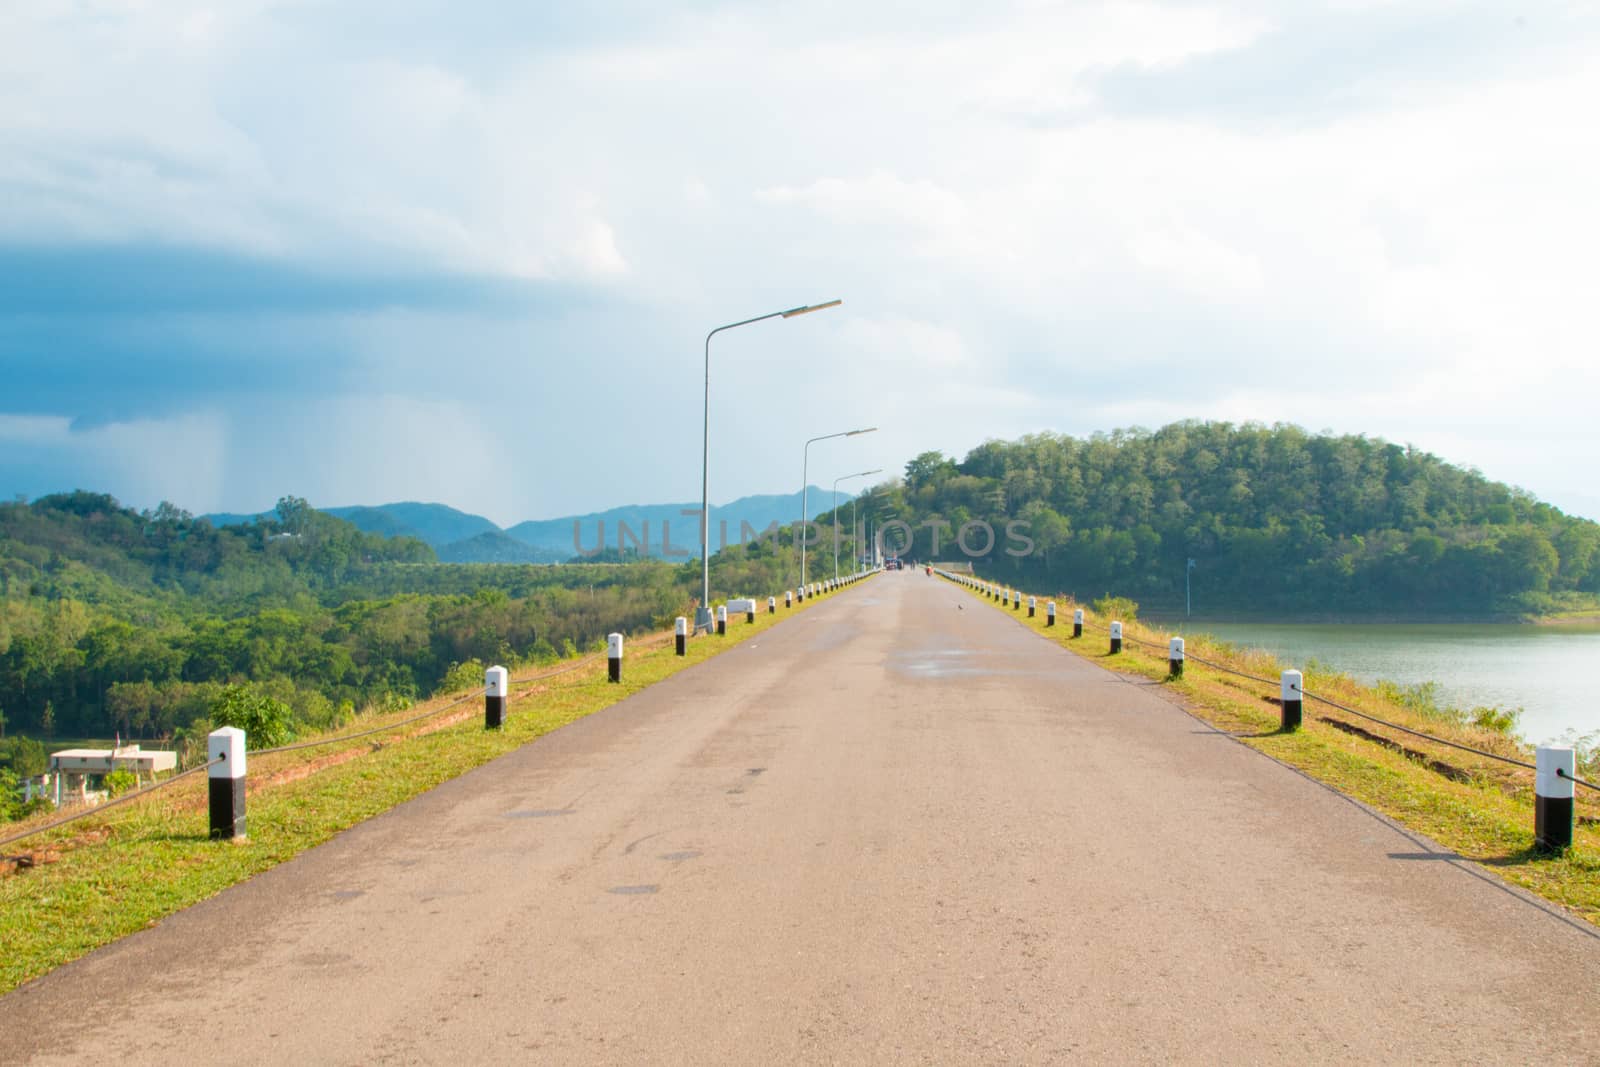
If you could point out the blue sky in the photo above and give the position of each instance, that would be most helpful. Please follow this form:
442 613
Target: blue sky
374 251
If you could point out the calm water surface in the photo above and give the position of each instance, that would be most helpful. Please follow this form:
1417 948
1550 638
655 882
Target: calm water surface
1547 671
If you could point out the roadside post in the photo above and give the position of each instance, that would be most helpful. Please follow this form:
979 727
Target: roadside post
496 690
225 753
1292 695
1553 798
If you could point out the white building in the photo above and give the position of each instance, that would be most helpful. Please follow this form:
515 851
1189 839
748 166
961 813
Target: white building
72 768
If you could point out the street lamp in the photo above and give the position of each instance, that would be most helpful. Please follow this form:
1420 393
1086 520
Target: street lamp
805 486
702 615
836 481
1186 571
853 526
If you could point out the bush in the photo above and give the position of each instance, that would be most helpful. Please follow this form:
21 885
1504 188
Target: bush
1500 720
1118 608
461 677
121 781
266 722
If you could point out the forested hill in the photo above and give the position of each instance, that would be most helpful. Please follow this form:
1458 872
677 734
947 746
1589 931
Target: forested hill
89 547
1277 521
143 623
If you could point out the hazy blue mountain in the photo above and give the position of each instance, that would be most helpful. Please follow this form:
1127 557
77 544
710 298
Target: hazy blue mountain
437 524
233 518
494 546
460 537
635 520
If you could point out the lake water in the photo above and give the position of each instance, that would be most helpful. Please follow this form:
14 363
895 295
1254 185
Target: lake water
1547 671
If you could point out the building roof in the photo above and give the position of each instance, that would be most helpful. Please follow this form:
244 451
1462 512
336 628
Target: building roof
97 760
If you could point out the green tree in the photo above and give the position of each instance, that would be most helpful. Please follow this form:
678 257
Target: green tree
266 722
29 758
928 468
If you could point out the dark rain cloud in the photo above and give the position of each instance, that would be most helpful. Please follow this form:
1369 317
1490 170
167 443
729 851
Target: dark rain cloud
105 333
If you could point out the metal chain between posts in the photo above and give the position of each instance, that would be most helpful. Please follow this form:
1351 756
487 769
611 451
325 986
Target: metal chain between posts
526 683
108 805
578 664
1191 657
1230 670
1418 733
1576 781
296 746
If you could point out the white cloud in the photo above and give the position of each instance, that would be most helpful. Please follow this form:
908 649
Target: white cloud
878 198
1412 265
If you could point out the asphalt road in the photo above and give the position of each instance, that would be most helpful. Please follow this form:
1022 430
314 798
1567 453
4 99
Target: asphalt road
898 828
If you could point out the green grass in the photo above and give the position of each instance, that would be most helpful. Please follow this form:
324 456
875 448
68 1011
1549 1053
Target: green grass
1487 818
119 873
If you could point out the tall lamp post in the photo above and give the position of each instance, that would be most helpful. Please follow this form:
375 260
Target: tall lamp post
1186 571
836 481
805 487
702 615
854 527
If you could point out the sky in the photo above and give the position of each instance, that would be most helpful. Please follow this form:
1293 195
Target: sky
377 250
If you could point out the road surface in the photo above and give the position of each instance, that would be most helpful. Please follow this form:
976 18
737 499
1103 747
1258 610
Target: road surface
899 828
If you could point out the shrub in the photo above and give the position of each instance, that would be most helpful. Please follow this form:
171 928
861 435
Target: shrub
461 677
1118 608
266 722
121 781
1500 720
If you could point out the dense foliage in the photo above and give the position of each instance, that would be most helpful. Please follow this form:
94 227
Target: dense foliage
1277 521
157 625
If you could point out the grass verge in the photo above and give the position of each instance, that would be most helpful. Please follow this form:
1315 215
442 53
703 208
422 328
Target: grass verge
1481 809
102 878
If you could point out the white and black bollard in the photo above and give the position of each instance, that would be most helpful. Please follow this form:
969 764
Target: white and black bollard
772 605
1552 798
1050 613
225 753
1031 602
750 610
1116 637
614 656
1016 600
496 690
722 619
680 630
1291 693
1175 658
788 598
1077 623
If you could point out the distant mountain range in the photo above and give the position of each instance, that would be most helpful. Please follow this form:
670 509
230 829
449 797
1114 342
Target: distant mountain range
460 537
